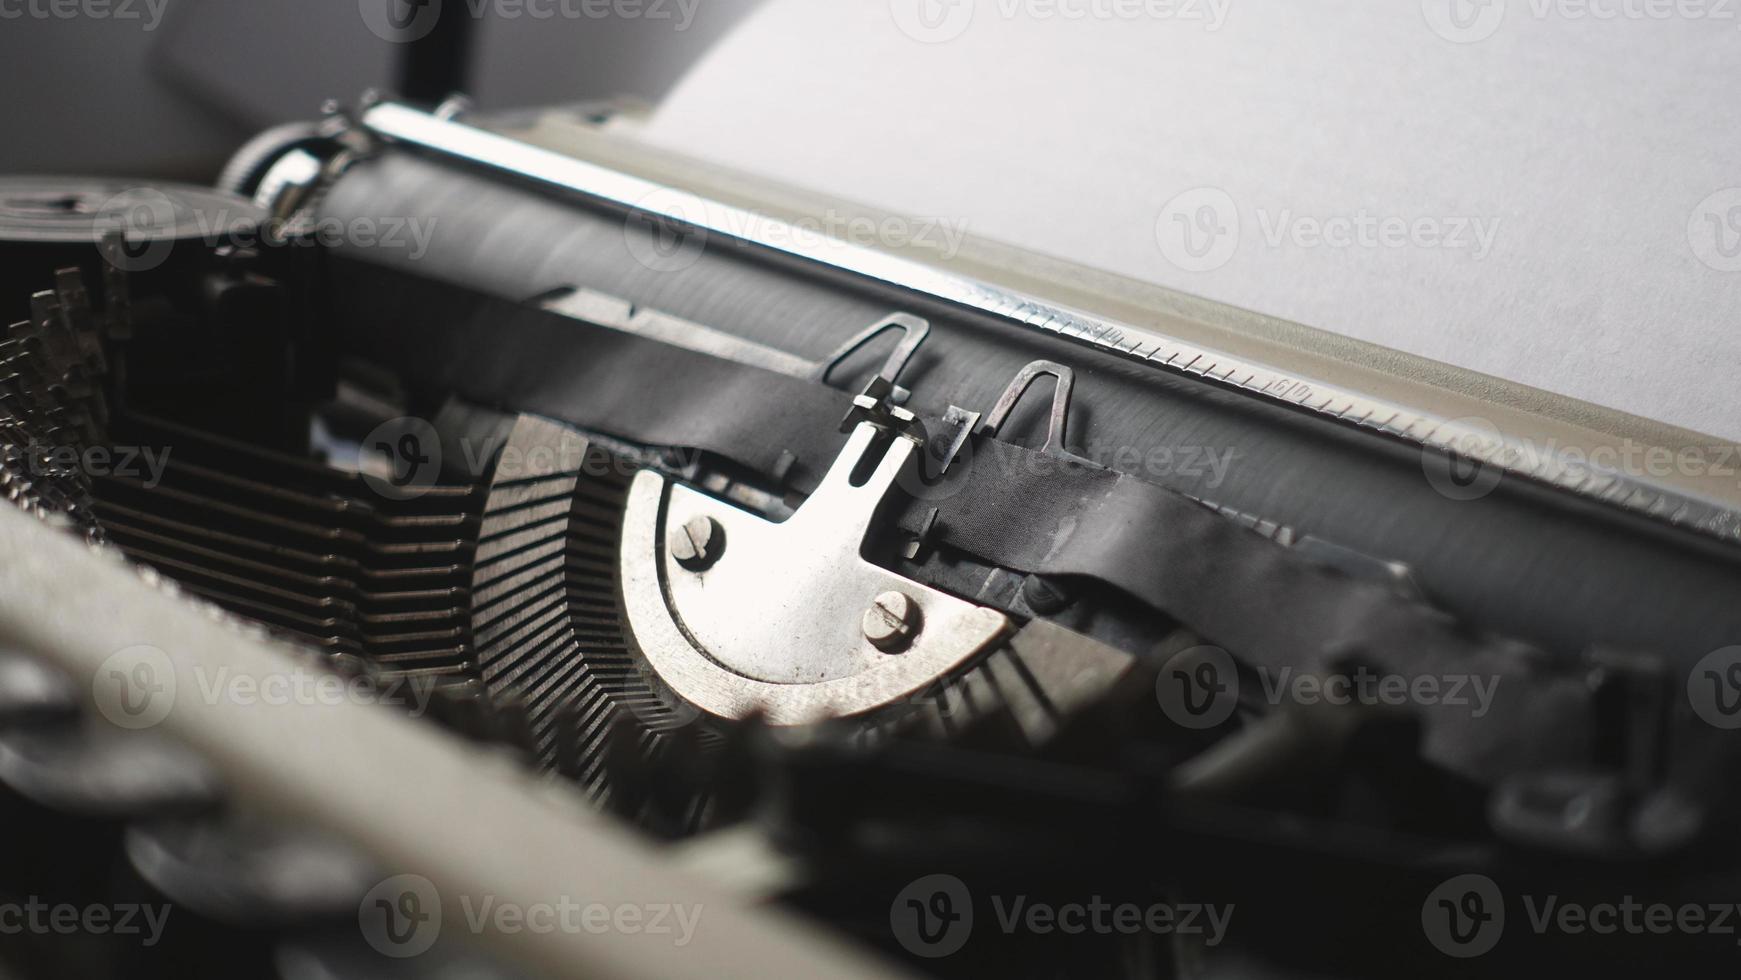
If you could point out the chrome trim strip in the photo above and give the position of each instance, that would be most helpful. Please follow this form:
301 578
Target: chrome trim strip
413 127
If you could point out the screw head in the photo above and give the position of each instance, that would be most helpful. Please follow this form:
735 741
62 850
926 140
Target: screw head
891 623
697 544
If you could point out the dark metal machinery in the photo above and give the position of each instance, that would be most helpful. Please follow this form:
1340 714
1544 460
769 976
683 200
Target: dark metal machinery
824 572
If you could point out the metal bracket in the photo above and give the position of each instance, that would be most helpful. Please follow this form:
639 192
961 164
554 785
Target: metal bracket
914 332
1058 430
881 399
775 621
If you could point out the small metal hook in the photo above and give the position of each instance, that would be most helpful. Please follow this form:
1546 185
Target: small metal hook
1058 430
915 330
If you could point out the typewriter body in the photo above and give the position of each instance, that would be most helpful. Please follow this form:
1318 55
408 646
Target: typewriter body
867 602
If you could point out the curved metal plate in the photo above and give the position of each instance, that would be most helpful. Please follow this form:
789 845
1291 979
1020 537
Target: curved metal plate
774 625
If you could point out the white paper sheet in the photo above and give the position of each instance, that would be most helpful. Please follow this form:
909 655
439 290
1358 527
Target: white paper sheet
1544 190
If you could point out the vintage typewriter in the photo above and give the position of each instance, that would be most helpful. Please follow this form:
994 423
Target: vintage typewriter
589 541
